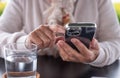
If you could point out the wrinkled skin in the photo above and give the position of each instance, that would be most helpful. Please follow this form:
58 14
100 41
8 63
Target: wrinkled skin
45 36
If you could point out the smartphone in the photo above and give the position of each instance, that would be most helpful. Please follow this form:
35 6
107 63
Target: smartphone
84 31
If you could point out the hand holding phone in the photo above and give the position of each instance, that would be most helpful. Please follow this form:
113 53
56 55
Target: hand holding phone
82 31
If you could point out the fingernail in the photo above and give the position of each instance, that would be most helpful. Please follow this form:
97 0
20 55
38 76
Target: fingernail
60 43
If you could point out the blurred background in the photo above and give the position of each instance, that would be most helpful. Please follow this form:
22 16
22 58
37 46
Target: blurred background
2 5
116 4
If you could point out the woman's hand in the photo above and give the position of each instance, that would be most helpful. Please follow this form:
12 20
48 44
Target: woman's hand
46 36
43 36
84 55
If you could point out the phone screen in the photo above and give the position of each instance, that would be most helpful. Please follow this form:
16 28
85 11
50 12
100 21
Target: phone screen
82 31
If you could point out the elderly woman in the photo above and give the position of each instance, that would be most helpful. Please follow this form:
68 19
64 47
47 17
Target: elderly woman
30 21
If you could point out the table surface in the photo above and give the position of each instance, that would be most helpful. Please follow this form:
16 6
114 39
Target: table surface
50 67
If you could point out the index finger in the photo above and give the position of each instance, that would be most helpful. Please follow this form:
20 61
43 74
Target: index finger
58 28
80 46
70 51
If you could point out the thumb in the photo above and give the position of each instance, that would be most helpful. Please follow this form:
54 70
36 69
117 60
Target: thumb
94 44
59 38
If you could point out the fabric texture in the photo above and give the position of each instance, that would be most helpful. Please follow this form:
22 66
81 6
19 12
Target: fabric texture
23 16
60 12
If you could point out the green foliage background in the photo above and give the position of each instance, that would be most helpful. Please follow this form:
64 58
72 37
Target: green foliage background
117 8
2 6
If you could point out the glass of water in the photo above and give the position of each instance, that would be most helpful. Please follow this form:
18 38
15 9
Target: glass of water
20 60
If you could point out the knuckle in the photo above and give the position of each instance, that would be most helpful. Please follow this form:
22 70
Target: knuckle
32 33
82 60
37 30
83 48
52 38
76 43
65 58
40 44
46 42
70 54
89 59
42 26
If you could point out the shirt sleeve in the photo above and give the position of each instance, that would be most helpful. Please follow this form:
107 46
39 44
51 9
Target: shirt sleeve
108 34
11 24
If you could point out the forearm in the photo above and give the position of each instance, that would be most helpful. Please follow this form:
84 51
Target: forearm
108 34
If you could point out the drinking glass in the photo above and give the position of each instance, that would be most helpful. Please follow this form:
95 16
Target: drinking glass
20 60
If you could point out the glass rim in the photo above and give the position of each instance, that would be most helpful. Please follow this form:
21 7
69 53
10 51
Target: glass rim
6 46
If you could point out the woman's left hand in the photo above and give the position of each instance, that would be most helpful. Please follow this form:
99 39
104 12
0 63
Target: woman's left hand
84 55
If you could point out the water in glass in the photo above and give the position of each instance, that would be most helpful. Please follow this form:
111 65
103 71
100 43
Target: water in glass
21 65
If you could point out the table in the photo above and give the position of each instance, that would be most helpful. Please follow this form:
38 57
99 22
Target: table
50 67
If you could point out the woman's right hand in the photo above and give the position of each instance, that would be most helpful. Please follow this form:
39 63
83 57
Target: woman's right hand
43 36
